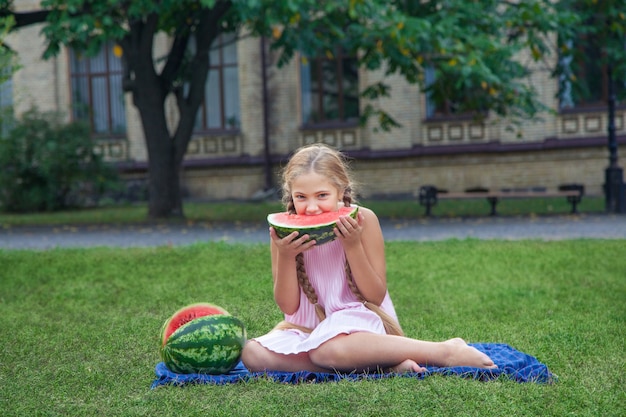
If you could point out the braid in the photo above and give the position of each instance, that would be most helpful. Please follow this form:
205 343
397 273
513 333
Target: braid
303 279
347 197
391 325
291 207
352 284
307 288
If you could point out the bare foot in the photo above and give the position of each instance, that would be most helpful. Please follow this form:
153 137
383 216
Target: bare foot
408 366
464 355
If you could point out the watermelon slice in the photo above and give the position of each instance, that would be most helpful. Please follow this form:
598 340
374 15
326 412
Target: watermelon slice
319 227
187 314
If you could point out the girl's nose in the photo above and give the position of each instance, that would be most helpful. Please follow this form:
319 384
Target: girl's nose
311 208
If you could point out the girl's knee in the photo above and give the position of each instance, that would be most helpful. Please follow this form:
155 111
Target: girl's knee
252 356
329 355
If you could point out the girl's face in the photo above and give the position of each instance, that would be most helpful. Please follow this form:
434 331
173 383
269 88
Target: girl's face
313 193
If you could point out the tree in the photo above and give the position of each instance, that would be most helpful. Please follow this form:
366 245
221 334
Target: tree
8 63
594 68
473 48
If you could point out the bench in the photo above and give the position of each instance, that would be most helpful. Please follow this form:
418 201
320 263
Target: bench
430 194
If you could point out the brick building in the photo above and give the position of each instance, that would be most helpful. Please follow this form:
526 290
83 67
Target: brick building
240 141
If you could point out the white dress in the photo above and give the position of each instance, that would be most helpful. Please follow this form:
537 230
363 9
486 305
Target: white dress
325 267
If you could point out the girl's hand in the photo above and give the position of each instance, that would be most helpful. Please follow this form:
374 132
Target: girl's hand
349 230
291 244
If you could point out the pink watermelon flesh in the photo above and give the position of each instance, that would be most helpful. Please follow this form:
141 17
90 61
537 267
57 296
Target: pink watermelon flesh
186 314
302 220
319 227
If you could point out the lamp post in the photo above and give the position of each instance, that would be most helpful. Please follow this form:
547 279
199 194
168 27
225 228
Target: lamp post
614 189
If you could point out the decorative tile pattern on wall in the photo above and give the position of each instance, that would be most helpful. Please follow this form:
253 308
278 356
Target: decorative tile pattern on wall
435 133
210 145
330 138
348 139
593 123
309 138
193 148
589 124
570 124
219 145
340 138
454 132
229 144
112 150
476 131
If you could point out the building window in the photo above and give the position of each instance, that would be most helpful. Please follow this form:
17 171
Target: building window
584 81
6 99
443 109
220 109
432 108
330 89
6 87
97 94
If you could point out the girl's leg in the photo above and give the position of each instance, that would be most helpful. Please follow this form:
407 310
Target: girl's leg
368 352
258 359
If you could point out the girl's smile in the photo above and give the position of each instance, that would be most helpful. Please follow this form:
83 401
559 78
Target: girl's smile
313 194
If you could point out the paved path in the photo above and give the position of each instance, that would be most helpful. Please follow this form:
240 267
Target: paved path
596 226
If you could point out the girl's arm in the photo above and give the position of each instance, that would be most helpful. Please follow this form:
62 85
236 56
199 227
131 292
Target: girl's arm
284 251
365 251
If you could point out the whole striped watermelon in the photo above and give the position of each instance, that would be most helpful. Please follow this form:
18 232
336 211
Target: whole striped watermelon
185 315
319 227
208 345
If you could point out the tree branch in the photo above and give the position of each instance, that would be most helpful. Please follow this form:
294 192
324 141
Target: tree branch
26 18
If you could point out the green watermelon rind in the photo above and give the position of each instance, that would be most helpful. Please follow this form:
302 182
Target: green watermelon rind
321 233
206 345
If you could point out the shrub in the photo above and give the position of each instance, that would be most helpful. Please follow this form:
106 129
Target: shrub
49 165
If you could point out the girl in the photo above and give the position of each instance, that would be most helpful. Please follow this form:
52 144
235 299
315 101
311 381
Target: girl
338 314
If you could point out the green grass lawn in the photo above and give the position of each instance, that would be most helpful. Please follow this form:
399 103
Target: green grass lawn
80 329
257 211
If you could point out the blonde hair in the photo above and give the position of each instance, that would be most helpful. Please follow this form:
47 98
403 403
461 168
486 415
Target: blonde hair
320 159
331 163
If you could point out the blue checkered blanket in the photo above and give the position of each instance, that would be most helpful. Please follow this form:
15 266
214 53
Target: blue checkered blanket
512 364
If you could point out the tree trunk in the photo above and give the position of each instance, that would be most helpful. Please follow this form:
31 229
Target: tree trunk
165 199
149 93
166 151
